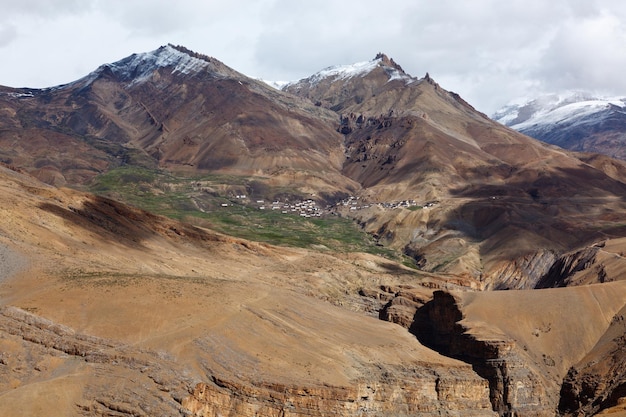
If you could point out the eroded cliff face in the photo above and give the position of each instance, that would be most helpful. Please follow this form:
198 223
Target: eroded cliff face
563 270
598 382
116 379
516 386
542 351
521 273
422 391
596 263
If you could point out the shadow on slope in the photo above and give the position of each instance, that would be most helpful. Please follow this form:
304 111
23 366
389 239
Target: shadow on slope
518 226
567 206
119 223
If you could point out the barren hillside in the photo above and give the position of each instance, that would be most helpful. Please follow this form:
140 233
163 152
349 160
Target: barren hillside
366 220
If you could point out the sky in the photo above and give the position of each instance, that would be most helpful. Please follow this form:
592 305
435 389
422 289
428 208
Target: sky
489 51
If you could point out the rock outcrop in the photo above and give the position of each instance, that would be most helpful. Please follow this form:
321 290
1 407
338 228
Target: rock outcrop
522 273
566 266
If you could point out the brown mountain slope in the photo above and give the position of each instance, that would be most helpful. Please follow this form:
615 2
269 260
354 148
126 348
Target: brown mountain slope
494 196
499 196
109 309
120 311
171 108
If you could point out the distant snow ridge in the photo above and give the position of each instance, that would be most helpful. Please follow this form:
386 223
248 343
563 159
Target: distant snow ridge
278 85
553 109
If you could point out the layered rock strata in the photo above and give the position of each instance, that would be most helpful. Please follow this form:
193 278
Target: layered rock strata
420 391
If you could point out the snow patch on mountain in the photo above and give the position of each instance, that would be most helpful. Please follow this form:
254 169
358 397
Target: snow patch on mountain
394 74
343 72
278 85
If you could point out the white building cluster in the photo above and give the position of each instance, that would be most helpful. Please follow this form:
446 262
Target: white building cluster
354 204
305 208
309 208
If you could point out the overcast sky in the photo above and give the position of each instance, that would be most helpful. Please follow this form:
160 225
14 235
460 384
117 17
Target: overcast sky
488 51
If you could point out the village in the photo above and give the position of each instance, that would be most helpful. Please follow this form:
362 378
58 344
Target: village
309 208
354 203
303 208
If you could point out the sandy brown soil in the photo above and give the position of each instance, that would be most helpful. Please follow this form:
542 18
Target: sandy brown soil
213 305
11 262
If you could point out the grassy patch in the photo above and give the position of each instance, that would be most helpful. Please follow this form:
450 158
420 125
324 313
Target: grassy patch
409 262
200 200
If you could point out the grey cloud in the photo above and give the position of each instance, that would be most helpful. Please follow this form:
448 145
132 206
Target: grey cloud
300 36
158 17
8 33
44 9
142 17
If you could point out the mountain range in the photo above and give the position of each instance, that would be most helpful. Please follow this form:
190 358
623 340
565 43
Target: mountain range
576 120
151 263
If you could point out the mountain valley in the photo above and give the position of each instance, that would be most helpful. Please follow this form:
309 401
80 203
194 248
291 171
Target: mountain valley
177 238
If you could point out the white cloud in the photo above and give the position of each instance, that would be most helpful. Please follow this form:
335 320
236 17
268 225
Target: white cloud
489 51
589 51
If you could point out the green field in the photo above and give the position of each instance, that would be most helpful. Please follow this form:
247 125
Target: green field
199 200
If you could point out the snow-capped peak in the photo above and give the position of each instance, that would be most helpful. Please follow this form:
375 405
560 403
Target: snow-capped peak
342 72
139 67
359 69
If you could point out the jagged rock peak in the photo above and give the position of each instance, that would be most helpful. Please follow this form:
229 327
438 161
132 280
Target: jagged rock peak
429 80
189 52
388 62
